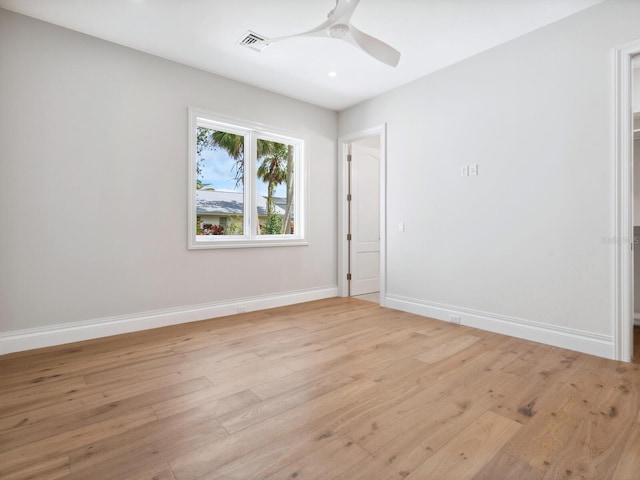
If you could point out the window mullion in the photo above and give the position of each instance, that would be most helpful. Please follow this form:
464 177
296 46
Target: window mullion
298 188
250 171
248 150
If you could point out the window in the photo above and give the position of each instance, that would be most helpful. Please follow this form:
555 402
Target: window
246 184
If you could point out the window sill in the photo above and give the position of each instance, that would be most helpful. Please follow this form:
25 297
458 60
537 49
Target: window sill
246 243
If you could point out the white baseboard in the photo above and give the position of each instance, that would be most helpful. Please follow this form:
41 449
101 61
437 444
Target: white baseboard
594 344
20 340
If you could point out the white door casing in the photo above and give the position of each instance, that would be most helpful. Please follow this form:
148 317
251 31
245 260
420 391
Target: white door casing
344 143
623 287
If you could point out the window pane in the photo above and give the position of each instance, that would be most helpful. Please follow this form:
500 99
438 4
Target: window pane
219 183
275 186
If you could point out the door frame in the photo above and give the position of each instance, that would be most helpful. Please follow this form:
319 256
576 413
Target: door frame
623 281
343 218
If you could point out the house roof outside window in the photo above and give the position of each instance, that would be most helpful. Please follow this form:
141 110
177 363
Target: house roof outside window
214 202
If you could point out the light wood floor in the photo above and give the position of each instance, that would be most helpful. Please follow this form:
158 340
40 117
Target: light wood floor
334 389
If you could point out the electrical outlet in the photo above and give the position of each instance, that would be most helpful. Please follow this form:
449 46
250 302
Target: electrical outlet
454 318
464 171
473 169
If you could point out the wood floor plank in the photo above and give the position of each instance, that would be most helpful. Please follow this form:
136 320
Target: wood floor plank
310 423
30 397
29 431
401 447
167 365
247 341
274 456
472 448
217 402
155 472
213 476
259 440
629 464
555 367
91 396
162 434
362 363
326 462
335 389
234 380
594 449
307 425
295 380
149 454
81 397
50 468
503 465
400 453
447 349
67 441
539 441
313 356
256 412
89 363
448 403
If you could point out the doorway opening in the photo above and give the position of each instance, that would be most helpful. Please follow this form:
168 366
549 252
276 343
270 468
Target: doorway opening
635 155
624 321
361 212
363 227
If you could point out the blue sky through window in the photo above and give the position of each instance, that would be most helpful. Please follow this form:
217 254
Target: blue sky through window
219 173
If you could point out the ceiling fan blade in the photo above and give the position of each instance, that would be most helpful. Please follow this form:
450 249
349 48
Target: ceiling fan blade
319 31
339 15
343 11
374 47
338 26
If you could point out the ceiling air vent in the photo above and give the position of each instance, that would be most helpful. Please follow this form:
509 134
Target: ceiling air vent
252 40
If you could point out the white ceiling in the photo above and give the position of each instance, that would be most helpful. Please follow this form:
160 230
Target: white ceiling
431 34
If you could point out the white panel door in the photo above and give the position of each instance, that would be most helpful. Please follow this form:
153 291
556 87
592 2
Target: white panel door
365 219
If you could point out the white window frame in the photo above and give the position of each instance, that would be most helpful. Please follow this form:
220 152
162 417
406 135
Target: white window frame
251 131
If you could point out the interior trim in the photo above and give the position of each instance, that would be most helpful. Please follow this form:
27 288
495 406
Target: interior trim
578 340
28 339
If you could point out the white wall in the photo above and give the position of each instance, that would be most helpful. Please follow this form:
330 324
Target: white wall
93 183
520 247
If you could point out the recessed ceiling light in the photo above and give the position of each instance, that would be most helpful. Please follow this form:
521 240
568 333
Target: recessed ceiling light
333 74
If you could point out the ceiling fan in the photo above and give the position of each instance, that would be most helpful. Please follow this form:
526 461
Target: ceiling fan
338 26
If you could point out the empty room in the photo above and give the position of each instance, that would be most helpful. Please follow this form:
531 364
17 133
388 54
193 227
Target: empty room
331 239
